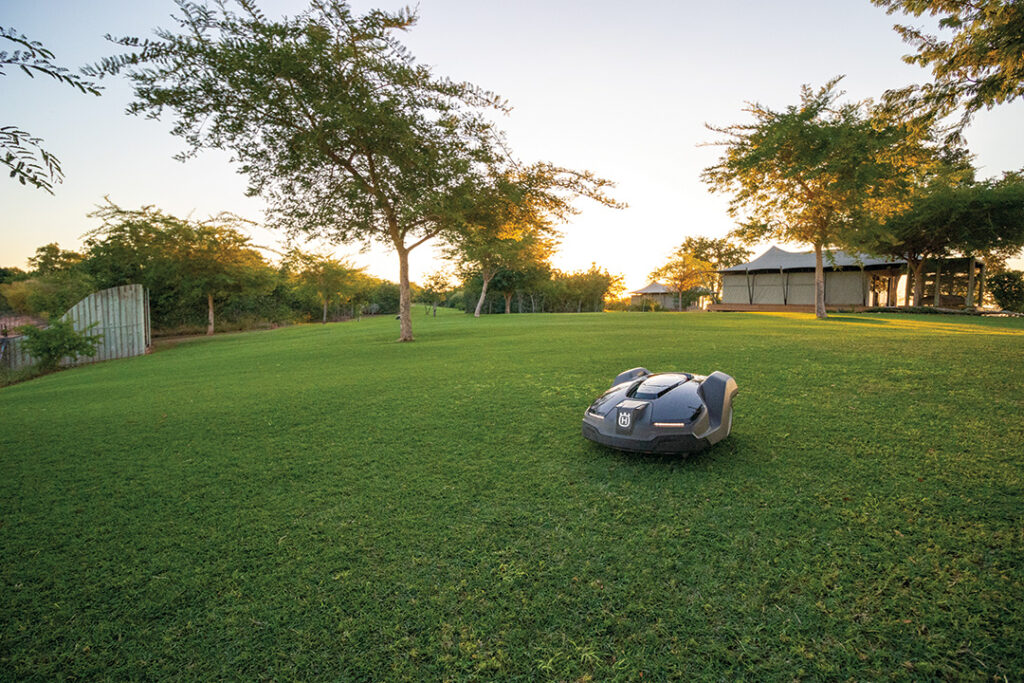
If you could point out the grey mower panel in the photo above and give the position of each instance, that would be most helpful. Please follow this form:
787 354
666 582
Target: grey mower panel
672 412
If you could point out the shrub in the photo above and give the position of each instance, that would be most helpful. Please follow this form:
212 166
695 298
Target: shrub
1008 290
60 340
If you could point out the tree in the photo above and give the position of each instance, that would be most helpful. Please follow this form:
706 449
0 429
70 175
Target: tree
328 115
683 273
510 225
489 253
804 174
951 215
50 258
56 282
580 290
1008 290
718 253
329 279
981 65
436 287
22 153
176 258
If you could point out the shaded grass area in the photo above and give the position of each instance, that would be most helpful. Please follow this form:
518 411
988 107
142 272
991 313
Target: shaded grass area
321 502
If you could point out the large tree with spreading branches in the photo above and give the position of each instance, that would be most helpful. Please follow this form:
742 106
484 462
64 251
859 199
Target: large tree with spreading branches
951 215
807 173
326 113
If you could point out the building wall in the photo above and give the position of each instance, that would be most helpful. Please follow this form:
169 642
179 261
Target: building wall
666 301
842 288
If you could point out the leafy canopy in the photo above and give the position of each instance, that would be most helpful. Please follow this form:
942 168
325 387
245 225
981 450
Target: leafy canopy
20 152
805 173
512 221
952 216
181 261
719 252
684 272
328 115
979 66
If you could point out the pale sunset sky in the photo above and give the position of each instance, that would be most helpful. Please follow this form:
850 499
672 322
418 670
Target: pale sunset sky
622 89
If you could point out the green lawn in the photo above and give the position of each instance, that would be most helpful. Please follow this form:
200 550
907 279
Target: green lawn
321 502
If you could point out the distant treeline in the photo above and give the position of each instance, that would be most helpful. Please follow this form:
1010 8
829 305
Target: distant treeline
200 271
542 290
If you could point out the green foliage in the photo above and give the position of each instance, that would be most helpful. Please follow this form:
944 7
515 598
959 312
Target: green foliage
510 234
328 115
542 290
684 274
303 505
59 340
950 216
808 173
1007 289
329 279
22 153
181 261
50 259
718 253
979 66
47 296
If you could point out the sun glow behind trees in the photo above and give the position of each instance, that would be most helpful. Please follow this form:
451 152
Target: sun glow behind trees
635 114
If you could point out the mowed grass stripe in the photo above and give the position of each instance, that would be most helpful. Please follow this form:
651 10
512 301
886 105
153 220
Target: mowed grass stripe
321 502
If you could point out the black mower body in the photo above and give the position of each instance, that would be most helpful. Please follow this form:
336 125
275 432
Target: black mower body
671 412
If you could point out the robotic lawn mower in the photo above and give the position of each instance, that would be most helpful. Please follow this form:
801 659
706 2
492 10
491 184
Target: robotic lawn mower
669 412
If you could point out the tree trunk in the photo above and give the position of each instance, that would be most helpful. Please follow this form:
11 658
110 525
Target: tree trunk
508 303
533 304
819 283
483 294
209 314
435 309
918 282
404 297
906 287
680 299
324 321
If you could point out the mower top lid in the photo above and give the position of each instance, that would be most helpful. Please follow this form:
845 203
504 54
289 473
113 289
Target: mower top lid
657 385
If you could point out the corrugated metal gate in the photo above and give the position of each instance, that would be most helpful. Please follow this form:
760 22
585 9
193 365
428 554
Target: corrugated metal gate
120 314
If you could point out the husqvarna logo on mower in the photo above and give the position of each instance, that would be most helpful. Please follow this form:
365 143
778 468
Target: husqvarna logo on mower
624 418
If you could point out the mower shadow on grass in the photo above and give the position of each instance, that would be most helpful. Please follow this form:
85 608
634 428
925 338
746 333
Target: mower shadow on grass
719 453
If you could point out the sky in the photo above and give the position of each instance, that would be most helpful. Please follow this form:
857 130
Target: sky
621 89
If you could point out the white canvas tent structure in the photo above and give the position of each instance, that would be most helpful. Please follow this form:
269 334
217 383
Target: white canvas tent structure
658 293
780 280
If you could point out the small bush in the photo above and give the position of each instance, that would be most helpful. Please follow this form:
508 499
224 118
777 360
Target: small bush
1008 290
58 341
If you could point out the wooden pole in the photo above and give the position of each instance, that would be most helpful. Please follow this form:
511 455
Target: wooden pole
969 301
907 297
981 285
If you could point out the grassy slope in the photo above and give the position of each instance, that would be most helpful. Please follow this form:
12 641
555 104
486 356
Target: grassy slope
322 502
